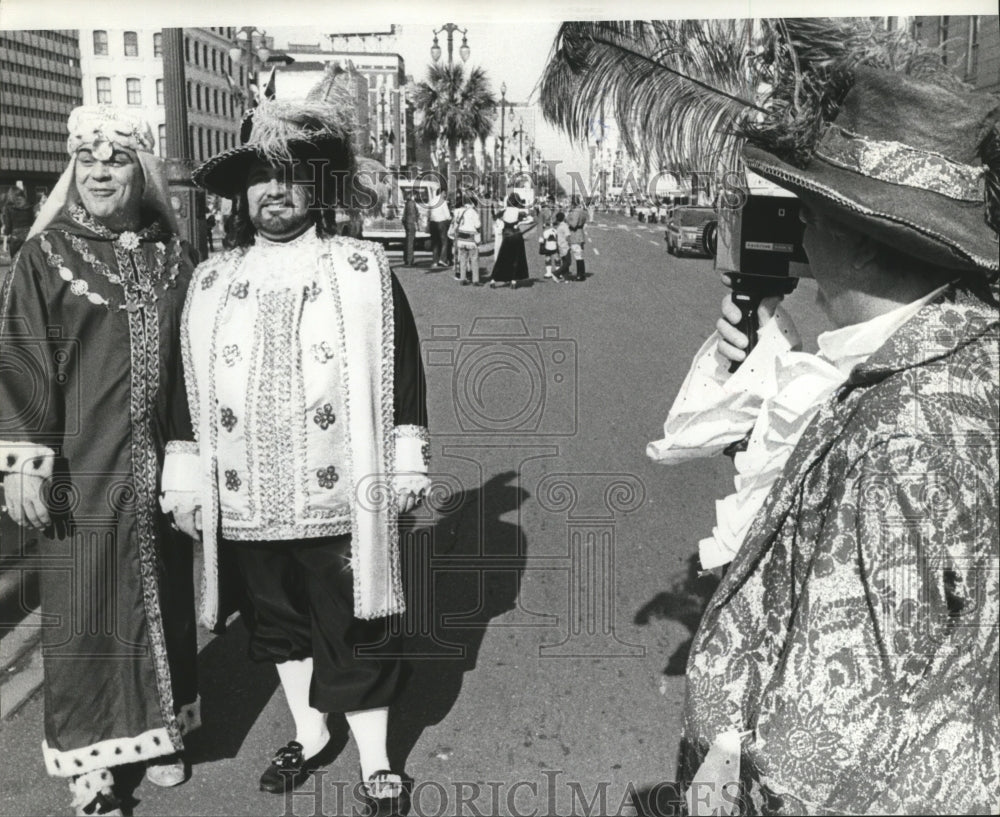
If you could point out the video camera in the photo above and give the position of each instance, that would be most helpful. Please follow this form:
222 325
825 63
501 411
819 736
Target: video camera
755 244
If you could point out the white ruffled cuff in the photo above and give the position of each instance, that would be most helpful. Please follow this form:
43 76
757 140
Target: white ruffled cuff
413 449
27 458
181 467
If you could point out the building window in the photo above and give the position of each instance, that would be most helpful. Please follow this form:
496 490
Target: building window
215 58
187 51
161 140
131 44
104 90
918 30
189 94
197 55
159 92
134 90
201 143
197 96
215 100
204 55
157 44
101 43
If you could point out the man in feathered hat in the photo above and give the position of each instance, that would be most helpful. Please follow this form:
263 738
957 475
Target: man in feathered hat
848 662
307 393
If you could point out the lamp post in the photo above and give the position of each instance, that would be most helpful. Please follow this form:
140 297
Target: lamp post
503 138
519 133
250 48
463 52
187 201
385 135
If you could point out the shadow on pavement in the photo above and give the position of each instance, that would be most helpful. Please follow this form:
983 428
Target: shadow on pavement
684 602
234 692
468 572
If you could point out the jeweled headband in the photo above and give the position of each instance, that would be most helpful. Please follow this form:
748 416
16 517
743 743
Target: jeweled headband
98 126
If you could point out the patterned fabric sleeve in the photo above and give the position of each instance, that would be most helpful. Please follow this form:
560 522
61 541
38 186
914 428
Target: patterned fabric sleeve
34 352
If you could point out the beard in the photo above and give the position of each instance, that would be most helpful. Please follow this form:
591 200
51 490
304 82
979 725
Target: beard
280 219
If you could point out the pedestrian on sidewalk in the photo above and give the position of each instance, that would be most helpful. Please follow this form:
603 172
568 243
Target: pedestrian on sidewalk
98 289
576 220
293 324
511 265
466 234
440 222
17 216
562 245
411 220
848 662
548 248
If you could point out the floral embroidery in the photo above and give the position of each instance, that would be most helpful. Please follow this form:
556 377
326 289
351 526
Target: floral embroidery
228 419
240 289
327 476
231 354
209 279
324 416
233 482
140 290
129 241
322 352
312 291
359 262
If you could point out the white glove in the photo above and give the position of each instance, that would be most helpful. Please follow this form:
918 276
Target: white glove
23 495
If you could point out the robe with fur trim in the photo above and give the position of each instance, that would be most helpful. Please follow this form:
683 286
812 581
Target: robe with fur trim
90 395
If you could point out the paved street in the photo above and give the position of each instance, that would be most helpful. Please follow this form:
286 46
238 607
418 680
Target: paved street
549 585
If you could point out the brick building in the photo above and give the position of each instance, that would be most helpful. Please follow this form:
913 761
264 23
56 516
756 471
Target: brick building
971 45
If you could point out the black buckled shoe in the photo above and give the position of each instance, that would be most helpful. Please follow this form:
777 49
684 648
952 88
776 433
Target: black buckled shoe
387 794
288 769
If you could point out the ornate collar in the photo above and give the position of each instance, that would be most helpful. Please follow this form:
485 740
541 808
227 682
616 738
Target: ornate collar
129 239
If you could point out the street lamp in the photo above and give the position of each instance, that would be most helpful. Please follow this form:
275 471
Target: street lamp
250 47
503 138
463 52
519 133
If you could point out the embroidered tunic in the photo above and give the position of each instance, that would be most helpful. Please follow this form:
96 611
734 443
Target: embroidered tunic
90 346
280 427
303 370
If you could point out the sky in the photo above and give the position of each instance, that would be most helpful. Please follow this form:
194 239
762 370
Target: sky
511 39
514 53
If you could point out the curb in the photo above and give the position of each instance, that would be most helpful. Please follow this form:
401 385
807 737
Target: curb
20 664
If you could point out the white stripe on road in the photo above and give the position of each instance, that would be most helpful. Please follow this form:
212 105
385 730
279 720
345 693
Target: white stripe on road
596 251
654 243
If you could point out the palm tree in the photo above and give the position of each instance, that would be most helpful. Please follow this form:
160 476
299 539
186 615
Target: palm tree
687 92
456 109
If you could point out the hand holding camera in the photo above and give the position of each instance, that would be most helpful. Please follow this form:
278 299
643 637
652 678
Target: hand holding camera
734 343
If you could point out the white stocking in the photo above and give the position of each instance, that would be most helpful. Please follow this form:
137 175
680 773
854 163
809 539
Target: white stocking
369 727
310 724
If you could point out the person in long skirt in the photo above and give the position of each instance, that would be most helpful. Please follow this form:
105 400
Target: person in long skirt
512 261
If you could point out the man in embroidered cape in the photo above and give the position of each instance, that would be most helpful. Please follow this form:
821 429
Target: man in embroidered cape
849 658
306 386
90 397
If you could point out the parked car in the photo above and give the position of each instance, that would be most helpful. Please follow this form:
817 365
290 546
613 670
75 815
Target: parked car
691 229
387 225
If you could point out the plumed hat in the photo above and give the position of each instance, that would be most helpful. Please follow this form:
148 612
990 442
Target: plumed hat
282 132
911 158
